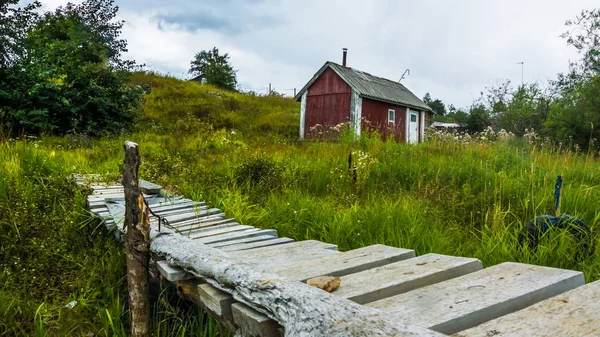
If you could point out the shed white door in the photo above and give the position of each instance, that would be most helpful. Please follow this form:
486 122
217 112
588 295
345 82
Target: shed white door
413 127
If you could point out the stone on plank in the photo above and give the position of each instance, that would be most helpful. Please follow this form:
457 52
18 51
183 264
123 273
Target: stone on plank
327 283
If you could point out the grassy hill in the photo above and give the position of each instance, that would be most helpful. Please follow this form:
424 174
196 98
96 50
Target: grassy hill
240 153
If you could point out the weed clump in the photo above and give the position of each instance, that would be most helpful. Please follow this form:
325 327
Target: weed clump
260 175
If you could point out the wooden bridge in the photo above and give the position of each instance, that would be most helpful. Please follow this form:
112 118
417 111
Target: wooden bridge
254 282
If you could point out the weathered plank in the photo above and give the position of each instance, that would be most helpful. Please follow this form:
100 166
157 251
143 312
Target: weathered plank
210 300
345 263
574 313
208 232
256 244
172 273
472 299
149 188
237 235
400 277
253 323
203 229
273 257
301 309
201 223
192 214
169 209
241 241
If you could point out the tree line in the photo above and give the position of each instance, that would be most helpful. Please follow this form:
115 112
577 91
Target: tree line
566 110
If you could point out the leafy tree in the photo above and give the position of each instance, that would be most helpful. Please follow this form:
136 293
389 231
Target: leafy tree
14 25
72 78
518 109
438 107
584 35
478 119
574 116
214 69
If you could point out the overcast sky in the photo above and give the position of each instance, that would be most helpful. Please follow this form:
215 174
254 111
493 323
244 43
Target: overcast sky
453 48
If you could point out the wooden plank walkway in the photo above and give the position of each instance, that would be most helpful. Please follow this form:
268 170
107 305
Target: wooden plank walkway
445 294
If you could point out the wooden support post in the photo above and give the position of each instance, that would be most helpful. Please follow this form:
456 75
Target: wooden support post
137 225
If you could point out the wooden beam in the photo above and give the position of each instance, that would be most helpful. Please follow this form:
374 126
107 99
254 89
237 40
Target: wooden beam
137 253
300 309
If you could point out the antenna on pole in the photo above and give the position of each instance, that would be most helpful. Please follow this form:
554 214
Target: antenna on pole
403 74
522 66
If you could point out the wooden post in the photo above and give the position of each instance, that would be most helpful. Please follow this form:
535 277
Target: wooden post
137 225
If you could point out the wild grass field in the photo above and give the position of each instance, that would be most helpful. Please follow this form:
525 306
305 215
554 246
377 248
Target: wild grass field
62 274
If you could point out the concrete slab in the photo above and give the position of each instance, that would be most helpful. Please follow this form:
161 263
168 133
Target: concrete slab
574 313
475 298
400 277
345 263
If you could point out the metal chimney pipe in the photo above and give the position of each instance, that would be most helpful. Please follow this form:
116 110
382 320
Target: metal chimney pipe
344 58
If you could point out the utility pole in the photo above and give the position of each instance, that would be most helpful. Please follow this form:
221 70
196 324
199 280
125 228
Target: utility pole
522 66
294 92
269 89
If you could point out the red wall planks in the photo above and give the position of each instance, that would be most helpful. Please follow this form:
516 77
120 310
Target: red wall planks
327 101
376 113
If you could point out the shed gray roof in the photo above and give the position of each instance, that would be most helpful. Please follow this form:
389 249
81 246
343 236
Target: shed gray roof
373 87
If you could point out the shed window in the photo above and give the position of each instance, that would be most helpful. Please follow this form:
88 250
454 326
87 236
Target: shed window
391 116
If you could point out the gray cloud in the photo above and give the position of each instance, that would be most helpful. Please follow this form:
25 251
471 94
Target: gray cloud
227 16
454 48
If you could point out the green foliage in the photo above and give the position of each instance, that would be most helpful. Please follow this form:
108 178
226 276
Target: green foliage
438 107
574 116
260 174
479 118
214 69
184 107
584 35
517 110
71 78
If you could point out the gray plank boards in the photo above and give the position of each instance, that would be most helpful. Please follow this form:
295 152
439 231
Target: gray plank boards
223 229
254 323
148 187
273 257
257 244
246 233
469 300
241 241
186 226
574 313
172 273
345 263
403 276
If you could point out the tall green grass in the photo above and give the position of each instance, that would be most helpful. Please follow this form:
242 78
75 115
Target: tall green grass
441 197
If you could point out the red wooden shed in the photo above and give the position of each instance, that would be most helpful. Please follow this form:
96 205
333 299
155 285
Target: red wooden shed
338 94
